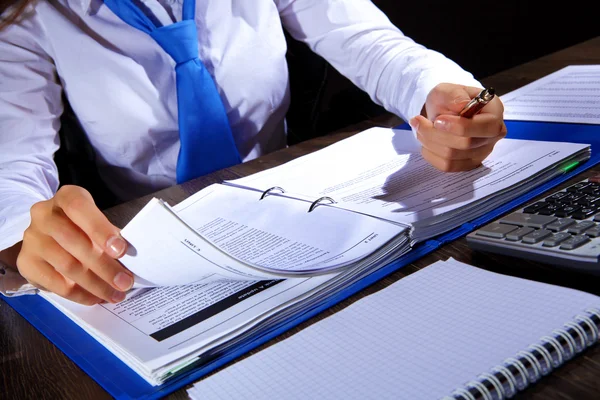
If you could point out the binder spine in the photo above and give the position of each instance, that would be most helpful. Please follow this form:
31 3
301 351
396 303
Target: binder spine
528 366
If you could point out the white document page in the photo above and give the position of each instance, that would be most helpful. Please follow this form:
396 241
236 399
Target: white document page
158 329
229 233
380 172
571 94
420 338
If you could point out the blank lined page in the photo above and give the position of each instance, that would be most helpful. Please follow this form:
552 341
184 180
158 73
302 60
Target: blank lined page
422 337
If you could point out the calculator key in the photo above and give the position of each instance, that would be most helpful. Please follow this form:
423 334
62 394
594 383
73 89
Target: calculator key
519 233
550 209
574 242
572 198
567 210
584 213
556 239
581 227
530 220
561 224
578 186
496 231
556 197
588 200
534 207
593 190
536 236
593 232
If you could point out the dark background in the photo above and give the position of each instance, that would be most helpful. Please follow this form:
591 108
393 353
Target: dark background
483 37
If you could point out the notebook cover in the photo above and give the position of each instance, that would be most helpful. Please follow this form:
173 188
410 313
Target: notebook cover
123 383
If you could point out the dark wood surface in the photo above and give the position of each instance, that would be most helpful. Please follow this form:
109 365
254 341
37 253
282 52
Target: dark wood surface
31 367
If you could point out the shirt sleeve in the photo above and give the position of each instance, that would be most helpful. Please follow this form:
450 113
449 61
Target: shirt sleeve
12 284
30 107
357 39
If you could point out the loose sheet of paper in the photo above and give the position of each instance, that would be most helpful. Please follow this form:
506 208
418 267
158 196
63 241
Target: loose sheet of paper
571 94
420 338
380 172
238 231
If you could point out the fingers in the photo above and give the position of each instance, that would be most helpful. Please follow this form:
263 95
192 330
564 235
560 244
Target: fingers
77 244
484 125
446 98
453 153
450 99
70 249
71 268
453 143
79 206
447 165
41 274
440 138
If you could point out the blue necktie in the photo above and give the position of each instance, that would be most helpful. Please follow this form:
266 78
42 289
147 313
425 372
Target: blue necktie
204 132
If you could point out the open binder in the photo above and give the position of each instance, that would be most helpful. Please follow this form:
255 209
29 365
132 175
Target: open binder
121 382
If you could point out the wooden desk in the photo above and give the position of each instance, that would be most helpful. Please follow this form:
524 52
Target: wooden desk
31 367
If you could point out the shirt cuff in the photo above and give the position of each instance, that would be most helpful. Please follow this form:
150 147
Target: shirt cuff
12 284
12 230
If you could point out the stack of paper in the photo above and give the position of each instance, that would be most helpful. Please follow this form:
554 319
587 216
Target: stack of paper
229 266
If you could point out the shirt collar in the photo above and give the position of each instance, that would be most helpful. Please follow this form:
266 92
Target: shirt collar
85 5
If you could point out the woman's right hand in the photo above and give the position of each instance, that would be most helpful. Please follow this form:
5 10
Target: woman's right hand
71 249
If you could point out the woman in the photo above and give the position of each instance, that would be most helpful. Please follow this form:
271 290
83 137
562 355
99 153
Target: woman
125 81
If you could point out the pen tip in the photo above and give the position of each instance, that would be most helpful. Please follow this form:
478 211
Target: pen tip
491 91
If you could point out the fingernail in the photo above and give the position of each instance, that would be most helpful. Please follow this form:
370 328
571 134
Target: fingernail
118 296
441 124
115 246
123 281
414 123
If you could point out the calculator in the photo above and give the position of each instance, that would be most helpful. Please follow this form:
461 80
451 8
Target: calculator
561 229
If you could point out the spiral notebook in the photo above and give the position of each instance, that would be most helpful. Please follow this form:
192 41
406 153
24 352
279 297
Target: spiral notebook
449 331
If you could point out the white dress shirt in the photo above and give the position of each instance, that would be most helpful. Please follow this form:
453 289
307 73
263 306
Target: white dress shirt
121 84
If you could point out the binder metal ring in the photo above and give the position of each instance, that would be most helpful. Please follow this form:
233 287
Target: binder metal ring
318 202
269 190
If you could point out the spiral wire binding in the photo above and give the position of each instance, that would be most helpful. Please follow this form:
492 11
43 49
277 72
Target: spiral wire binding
539 359
510 387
